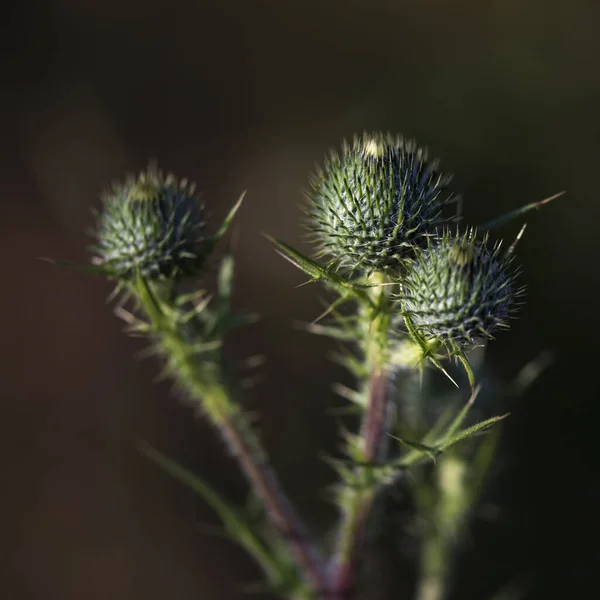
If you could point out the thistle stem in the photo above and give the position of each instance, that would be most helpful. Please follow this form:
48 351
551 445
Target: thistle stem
207 385
237 433
360 500
445 521
434 558
357 501
377 416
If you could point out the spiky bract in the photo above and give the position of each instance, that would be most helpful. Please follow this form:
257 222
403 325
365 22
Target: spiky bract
153 225
375 200
458 289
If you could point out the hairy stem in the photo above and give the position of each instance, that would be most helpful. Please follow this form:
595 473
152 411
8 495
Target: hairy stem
357 501
205 380
244 446
360 500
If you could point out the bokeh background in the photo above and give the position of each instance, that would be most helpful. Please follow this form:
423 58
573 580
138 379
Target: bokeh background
249 95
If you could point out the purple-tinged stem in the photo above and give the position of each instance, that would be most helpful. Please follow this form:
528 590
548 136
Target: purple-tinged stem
278 508
360 501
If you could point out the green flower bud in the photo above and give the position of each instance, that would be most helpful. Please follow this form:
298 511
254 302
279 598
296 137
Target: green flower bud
153 225
458 289
377 199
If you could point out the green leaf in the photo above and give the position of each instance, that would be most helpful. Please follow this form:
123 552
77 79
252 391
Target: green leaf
499 221
354 396
352 363
467 367
319 273
420 450
225 283
430 451
212 241
469 432
238 526
480 464
439 425
462 414
150 301
343 335
229 218
425 348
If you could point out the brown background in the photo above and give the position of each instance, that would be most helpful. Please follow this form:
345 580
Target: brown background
249 95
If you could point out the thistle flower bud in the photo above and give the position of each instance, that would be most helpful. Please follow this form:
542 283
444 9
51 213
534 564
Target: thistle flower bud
458 289
153 225
375 200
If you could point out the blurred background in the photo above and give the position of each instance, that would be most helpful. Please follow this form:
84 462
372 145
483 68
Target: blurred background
250 95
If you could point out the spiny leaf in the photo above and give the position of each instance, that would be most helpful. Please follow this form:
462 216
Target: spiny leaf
356 397
319 273
332 332
467 366
331 308
420 450
469 432
236 524
229 218
480 465
438 427
149 300
226 278
190 298
349 361
199 307
499 221
512 247
462 415
427 352
420 447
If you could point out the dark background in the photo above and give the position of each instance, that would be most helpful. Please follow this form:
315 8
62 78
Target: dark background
249 95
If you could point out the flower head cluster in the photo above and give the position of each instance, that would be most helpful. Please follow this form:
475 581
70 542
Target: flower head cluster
380 205
152 225
375 200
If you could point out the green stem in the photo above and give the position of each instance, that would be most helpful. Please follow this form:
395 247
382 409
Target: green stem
279 510
445 521
434 563
206 383
357 501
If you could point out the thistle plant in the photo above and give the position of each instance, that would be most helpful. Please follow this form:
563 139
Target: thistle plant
411 294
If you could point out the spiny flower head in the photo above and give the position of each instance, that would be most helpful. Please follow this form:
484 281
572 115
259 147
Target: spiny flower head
370 204
458 289
153 225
